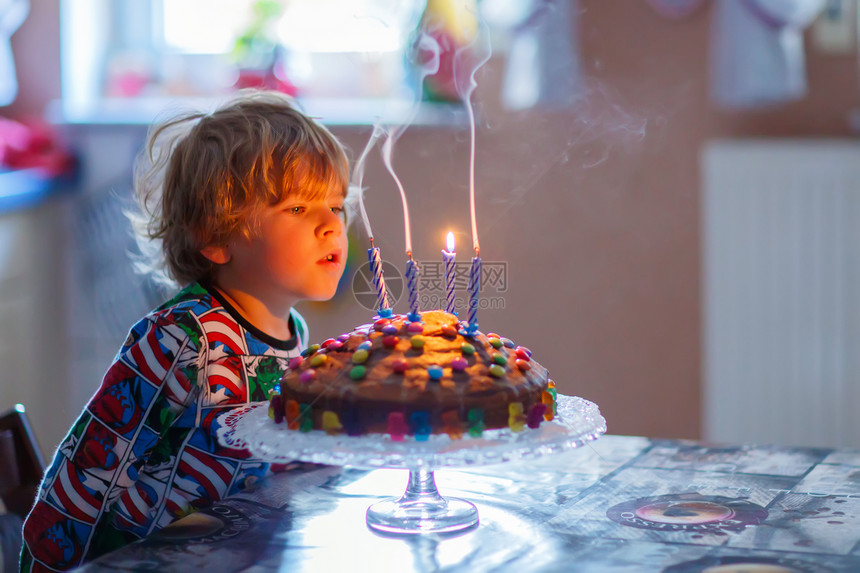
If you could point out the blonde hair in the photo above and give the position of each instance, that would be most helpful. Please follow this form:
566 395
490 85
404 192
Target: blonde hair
203 179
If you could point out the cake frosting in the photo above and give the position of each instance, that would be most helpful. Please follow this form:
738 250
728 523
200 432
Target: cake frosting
400 377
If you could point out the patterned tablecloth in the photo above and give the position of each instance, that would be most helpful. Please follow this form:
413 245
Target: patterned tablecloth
618 504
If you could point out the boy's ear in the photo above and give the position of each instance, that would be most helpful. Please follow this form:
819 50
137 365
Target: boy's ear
218 255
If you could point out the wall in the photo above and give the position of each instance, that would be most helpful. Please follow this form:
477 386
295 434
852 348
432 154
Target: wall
650 382
34 357
595 210
36 47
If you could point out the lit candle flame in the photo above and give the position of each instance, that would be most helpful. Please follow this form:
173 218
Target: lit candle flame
450 241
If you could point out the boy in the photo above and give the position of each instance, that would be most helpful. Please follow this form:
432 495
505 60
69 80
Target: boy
247 207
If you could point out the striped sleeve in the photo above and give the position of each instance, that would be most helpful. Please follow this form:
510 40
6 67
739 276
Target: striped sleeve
146 389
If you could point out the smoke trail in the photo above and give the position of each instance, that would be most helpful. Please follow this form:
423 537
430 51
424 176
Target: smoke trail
358 177
465 92
425 45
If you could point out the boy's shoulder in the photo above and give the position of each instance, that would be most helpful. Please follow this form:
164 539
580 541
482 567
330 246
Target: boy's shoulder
194 298
197 314
180 316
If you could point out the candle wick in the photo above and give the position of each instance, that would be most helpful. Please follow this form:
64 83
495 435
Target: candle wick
409 254
371 242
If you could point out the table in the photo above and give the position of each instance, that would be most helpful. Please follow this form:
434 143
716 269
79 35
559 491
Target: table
618 504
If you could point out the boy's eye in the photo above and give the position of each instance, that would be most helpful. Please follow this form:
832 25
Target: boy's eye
337 210
296 210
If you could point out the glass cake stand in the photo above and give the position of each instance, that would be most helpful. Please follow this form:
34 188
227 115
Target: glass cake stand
421 509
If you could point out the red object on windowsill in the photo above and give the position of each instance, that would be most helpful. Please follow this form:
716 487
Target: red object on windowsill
33 145
264 79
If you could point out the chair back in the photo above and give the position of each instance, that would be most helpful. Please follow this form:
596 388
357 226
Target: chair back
21 461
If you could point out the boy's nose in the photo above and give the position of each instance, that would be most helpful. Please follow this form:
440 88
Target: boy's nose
330 224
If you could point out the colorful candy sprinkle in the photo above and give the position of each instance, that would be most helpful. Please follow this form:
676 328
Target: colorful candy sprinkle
291 412
421 426
306 415
452 425
500 359
496 343
343 337
508 342
449 331
331 423
336 345
318 360
366 345
276 409
548 401
295 362
310 349
327 343
360 356
358 372
399 366
415 328
523 353
536 415
467 349
308 376
525 350
493 335
351 423
417 341
435 372
475 419
523 364
550 387
497 371
379 324
516 418
390 341
397 427
459 364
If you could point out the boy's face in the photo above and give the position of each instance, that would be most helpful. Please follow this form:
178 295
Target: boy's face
299 253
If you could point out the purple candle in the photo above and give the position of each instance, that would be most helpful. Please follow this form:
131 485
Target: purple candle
449 256
474 289
412 272
378 281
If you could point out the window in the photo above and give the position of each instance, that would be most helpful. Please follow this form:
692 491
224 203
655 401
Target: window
125 60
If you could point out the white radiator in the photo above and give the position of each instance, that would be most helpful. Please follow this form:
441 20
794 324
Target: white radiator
781 292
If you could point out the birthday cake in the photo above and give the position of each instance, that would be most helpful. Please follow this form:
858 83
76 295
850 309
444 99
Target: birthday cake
400 378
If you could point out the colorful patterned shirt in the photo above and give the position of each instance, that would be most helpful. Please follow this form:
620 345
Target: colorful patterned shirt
144 451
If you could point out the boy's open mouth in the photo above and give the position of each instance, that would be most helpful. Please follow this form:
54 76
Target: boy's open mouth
333 257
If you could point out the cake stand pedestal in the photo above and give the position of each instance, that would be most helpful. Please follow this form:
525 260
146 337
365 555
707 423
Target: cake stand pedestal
421 509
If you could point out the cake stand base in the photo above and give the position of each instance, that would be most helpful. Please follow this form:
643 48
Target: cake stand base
421 509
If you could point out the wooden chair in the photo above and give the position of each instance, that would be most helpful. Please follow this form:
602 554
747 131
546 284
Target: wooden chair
21 461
